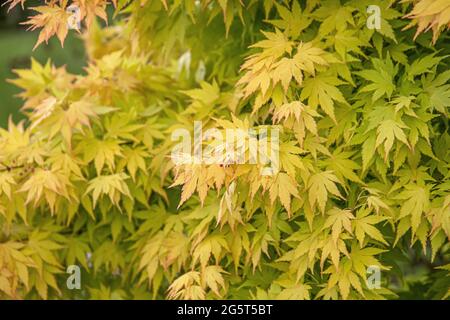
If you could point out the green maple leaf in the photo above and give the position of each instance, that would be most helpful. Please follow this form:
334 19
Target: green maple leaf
417 201
319 185
381 78
322 90
388 131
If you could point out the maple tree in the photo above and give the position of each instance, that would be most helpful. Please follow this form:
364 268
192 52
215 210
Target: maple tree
364 155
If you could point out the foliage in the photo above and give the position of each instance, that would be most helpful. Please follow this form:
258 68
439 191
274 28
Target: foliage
364 154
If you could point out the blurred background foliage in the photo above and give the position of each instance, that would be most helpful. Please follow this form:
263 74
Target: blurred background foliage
17 50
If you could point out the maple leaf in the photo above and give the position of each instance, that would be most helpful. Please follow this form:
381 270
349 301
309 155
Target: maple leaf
102 152
52 19
363 258
305 60
423 65
374 200
387 132
341 164
440 220
382 78
15 265
344 279
333 249
319 185
291 21
417 202
284 187
275 44
192 177
284 70
259 65
297 116
301 112
174 249
207 95
45 183
322 90
334 17
213 245
290 160
135 159
308 56
363 224
346 41
187 286
430 14
77 250
439 92
6 181
266 69
74 118
149 255
212 278
355 264
89 9
337 220
295 292
67 164
112 185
